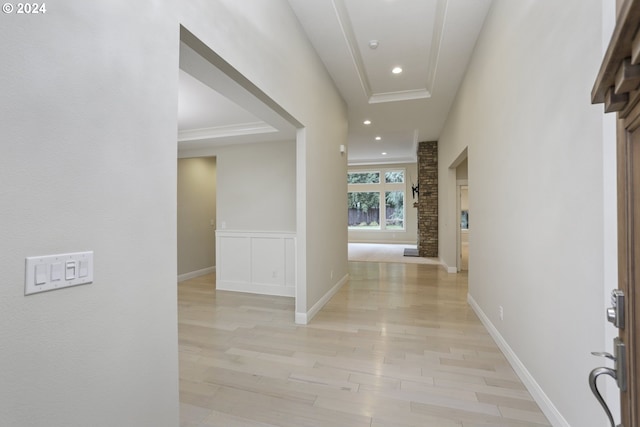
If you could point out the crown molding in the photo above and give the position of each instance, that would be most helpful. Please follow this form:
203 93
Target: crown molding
436 42
346 27
404 95
225 131
387 161
349 36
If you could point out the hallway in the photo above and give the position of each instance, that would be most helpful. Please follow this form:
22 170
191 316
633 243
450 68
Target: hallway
396 346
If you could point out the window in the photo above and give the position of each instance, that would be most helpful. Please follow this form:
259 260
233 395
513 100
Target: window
394 201
363 177
394 177
364 210
374 204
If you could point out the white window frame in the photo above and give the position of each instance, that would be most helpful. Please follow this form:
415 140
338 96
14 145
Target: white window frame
382 188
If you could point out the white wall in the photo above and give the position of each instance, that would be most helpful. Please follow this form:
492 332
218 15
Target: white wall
257 187
410 234
196 212
88 117
464 199
524 113
263 41
256 211
610 279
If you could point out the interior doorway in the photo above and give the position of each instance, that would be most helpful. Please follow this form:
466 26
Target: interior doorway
463 231
196 216
462 213
226 120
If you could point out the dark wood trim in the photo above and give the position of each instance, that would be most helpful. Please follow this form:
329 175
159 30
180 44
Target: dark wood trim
618 87
620 48
623 241
628 158
627 77
631 121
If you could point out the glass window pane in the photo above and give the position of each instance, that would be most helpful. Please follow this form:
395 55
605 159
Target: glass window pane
394 201
364 210
464 220
393 177
363 177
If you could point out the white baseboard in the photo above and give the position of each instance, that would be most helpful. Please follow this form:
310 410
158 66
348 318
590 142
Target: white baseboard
546 405
197 273
305 318
256 288
448 269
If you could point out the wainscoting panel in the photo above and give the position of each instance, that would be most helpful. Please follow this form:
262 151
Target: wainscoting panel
256 262
290 263
233 259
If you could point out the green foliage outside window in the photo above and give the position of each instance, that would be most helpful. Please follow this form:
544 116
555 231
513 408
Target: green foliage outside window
394 177
382 205
364 209
363 178
395 209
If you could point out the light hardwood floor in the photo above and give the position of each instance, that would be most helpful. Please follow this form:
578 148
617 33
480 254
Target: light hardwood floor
381 252
396 346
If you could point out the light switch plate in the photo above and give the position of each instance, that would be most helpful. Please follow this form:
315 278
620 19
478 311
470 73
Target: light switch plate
45 273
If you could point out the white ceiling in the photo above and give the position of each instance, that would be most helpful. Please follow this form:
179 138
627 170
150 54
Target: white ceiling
431 40
200 107
207 119
215 109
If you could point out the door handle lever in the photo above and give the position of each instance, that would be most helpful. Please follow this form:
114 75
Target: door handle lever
618 373
593 376
604 354
619 358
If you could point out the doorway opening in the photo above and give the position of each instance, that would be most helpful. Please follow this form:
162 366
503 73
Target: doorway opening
463 231
252 144
462 220
196 216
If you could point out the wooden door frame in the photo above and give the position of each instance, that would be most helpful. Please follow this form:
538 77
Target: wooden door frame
618 87
627 260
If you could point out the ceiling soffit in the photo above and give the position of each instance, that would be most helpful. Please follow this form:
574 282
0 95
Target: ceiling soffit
409 36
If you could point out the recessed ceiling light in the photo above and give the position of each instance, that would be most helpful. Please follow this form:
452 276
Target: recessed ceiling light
396 70
378 138
367 122
384 153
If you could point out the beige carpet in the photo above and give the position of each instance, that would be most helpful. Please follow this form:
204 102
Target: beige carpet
375 252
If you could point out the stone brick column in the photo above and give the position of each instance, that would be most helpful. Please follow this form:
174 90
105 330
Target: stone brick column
428 199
